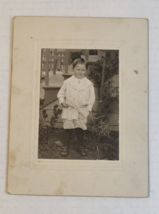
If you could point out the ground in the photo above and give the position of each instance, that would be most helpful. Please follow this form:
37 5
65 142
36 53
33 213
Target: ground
50 143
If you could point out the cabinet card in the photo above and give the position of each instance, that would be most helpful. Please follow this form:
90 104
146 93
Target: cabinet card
79 107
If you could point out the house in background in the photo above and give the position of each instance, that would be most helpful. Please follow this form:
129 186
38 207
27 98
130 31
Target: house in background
56 67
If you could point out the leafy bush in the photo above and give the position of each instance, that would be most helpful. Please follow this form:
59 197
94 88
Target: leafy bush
56 112
42 127
111 68
96 72
45 130
100 127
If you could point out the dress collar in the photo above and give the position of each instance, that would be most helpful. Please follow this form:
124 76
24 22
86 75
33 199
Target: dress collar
79 79
84 83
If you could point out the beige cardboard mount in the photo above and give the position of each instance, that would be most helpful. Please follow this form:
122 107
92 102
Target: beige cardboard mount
29 175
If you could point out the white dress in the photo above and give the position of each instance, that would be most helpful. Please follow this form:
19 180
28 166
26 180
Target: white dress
79 95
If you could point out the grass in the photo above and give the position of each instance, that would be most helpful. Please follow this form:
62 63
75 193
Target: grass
51 141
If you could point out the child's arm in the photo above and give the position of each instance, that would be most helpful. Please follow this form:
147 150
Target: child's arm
61 95
92 98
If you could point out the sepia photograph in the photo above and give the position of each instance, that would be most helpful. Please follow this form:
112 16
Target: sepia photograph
79 104
79 110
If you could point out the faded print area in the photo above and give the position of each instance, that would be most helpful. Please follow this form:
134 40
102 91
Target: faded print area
100 139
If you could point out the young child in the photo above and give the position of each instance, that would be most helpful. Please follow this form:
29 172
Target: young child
77 98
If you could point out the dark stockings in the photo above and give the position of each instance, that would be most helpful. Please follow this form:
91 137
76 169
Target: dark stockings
79 135
68 137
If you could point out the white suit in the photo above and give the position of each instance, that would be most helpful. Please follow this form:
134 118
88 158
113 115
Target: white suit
79 95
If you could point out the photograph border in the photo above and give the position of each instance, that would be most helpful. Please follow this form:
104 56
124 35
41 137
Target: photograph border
127 177
59 164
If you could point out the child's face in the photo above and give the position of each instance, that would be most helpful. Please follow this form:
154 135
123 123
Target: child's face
79 70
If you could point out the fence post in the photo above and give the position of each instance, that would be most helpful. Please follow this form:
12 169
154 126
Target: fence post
67 57
47 67
55 61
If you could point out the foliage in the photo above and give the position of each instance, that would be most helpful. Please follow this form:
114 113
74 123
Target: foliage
96 72
100 127
110 94
56 112
42 127
44 130
42 117
111 68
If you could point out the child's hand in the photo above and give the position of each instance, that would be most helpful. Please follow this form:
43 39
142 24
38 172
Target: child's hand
64 104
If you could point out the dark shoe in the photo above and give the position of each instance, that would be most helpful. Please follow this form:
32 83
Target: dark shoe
64 151
82 151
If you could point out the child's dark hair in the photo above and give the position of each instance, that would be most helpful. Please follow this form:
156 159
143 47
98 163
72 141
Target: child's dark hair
78 61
